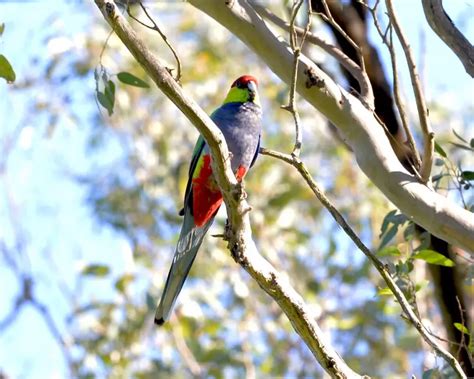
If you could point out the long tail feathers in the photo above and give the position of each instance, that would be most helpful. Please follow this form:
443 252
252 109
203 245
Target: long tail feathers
190 240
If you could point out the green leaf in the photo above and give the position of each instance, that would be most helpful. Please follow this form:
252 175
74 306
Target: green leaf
464 147
2 28
431 374
105 101
122 283
110 91
6 70
467 175
433 257
419 286
472 143
392 232
439 162
95 270
132 80
150 302
437 177
389 250
457 135
384 292
461 328
440 150
386 221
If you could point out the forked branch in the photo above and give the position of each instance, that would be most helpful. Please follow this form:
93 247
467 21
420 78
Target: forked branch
241 243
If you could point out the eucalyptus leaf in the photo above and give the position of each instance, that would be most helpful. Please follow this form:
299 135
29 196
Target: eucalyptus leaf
440 150
132 80
434 257
95 270
106 102
468 175
6 70
461 328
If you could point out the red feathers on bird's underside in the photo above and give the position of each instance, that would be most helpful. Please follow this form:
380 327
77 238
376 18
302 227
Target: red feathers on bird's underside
207 197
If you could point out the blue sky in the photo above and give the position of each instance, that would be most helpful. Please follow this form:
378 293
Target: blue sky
49 209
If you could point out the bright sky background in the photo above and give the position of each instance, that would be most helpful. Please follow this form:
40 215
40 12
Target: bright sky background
49 207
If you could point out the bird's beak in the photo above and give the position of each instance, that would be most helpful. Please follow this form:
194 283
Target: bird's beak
252 86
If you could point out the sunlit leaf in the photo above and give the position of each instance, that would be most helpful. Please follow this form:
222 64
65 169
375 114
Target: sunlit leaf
2 28
440 150
433 257
384 292
389 250
419 286
95 270
122 283
461 328
132 80
6 70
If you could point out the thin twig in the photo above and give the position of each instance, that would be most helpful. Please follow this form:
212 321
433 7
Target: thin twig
162 35
186 353
428 134
328 18
241 244
381 268
396 88
291 107
463 339
366 92
400 104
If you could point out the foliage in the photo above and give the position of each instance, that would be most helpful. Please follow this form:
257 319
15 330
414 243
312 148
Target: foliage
138 152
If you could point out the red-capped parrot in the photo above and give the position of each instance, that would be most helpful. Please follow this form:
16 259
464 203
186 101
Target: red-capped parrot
240 120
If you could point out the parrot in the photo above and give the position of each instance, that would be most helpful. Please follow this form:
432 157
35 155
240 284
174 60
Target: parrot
240 120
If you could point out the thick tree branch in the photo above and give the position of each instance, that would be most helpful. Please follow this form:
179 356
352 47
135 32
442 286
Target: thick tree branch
377 263
361 129
241 243
447 31
360 75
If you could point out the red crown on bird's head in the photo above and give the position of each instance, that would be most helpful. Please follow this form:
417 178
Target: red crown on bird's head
243 81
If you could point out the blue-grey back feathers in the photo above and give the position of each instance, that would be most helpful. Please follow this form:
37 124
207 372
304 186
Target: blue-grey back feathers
241 125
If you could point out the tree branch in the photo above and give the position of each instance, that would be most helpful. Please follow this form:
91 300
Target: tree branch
416 164
447 31
361 129
381 268
241 243
428 134
361 76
